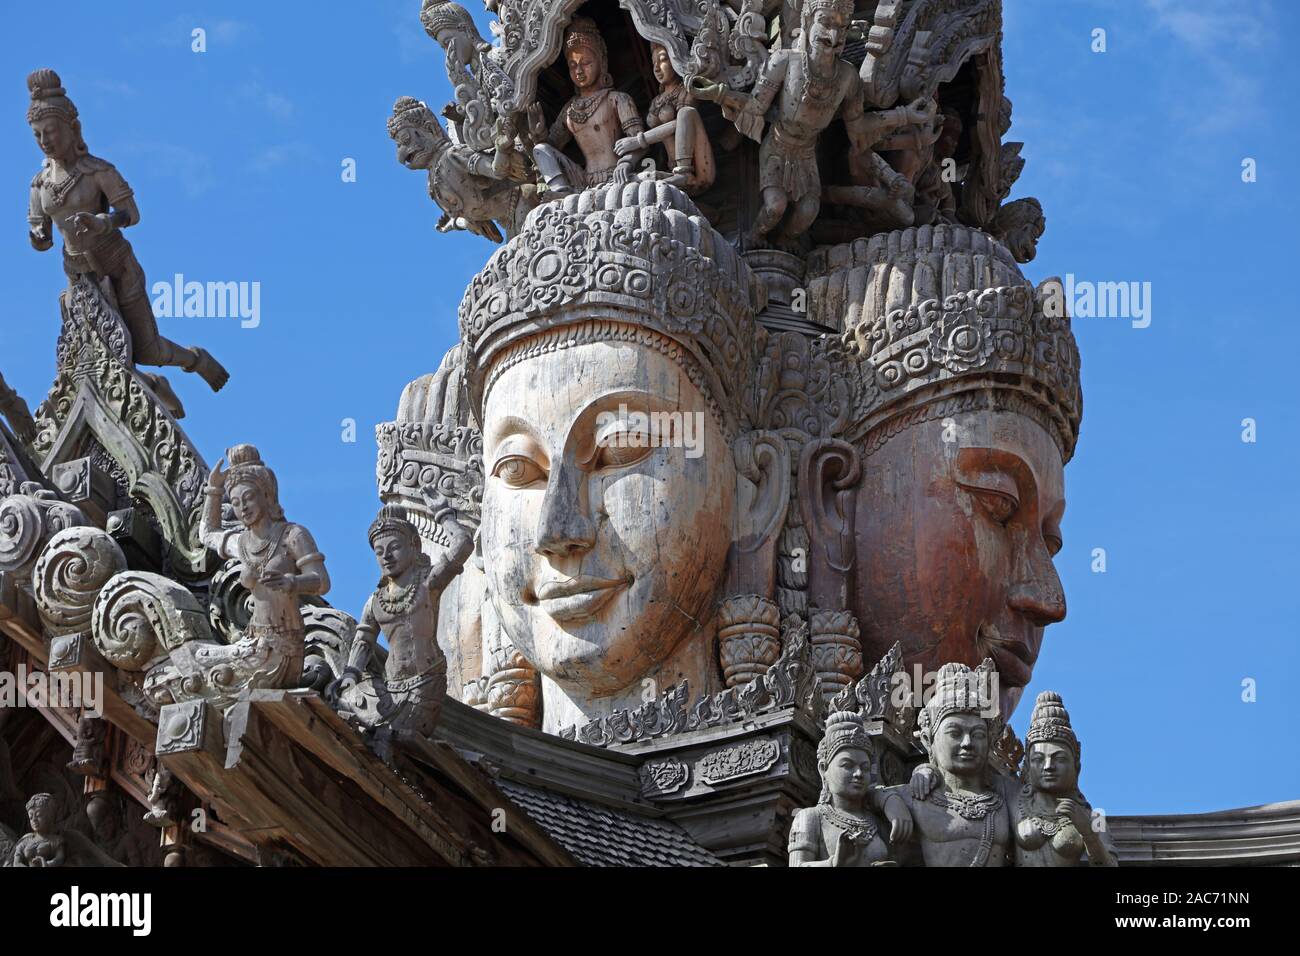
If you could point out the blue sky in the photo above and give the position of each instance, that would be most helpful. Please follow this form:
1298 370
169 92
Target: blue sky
235 155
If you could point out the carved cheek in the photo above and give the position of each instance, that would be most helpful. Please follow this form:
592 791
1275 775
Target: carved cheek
510 518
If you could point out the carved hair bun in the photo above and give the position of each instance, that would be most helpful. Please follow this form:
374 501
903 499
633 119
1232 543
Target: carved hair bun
44 83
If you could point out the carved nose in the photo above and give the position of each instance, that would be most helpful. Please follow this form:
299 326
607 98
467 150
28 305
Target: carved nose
564 527
1040 598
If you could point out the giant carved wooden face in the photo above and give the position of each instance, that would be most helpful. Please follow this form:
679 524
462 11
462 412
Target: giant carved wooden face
602 554
956 523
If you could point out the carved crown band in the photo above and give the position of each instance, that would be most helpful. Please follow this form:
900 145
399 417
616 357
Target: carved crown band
638 254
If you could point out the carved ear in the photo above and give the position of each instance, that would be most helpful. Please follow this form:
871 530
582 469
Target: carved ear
829 472
762 499
764 459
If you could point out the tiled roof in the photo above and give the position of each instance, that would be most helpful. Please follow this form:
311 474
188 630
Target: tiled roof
598 835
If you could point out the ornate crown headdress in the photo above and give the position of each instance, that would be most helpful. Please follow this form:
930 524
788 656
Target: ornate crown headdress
439 15
932 312
844 728
634 263
247 467
960 690
583 33
393 518
410 112
1051 721
811 7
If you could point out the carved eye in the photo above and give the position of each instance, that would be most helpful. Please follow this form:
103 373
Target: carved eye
623 448
997 505
517 471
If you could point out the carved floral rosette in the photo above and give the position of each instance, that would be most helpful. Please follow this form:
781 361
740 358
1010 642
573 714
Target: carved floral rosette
96 388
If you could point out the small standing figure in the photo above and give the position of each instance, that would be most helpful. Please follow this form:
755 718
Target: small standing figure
406 701
1054 825
90 203
281 564
597 117
841 830
815 85
674 121
162 799
88 752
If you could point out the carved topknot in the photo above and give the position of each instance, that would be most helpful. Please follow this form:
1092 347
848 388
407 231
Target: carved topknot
44 83
48 95
1051 721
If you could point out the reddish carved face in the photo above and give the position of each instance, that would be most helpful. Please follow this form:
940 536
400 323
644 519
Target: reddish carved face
955 540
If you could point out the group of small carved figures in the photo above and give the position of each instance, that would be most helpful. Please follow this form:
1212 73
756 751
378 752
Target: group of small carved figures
961 807
901 166
685 314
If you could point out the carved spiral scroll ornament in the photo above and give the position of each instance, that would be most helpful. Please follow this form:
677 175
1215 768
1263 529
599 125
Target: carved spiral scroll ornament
230 607
139 615
69 574
21 530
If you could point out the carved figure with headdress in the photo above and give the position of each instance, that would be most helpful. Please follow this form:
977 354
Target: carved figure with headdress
408 698
597 117
474 192
1054 823
810 85
842 830
89 202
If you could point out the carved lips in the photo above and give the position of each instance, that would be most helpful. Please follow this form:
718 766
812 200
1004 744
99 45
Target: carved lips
580 598
1015 659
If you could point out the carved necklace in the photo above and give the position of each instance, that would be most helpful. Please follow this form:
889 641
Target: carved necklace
256 559
859 830
583 108
398 601
59 192
816 89
1048 826
973 806
968 806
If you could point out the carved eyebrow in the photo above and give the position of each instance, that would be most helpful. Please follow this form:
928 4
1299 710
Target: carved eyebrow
971 461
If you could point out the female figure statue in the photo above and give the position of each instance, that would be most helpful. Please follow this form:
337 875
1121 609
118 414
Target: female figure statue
595 117
281 564
674 121
1053 821
841 830
48 843
90 203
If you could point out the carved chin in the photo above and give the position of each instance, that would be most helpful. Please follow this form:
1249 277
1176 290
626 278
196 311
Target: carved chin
602 642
